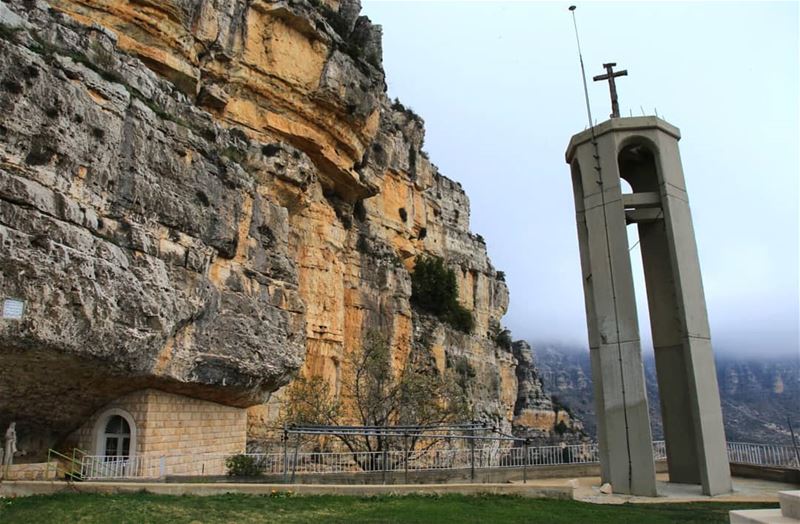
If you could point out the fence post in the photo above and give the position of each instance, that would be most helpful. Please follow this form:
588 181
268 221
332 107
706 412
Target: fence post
472 456
525 463
383 461
285 455
294 459
405 457
47 471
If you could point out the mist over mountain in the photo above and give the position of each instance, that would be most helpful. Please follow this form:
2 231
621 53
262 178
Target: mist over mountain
757 393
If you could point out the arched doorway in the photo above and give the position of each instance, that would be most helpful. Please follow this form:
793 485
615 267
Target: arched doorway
115 433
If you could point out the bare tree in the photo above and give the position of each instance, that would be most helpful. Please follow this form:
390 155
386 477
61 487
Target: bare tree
376 395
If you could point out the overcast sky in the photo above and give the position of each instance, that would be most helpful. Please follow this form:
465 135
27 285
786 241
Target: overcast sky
498 84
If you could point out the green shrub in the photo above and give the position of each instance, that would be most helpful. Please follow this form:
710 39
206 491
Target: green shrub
398 106
234 154
433 286
434 289
500 335
460 318
242 466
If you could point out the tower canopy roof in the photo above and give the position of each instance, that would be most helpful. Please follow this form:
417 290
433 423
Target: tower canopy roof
620 124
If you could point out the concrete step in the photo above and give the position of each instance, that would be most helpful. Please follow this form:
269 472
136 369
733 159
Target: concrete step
790 504
759 516
789 513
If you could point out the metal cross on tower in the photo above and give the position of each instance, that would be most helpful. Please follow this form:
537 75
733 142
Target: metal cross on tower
612 85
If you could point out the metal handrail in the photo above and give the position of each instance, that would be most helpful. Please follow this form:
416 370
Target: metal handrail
75 463
762 454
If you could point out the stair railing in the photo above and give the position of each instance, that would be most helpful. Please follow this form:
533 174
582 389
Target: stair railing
74 464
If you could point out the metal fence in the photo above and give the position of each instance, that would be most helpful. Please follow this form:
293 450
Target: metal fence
98 467
763 454
299 463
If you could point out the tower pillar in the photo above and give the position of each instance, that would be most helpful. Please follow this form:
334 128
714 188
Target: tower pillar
644 152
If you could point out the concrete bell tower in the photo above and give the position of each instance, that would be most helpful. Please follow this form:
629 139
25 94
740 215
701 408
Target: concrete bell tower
644 152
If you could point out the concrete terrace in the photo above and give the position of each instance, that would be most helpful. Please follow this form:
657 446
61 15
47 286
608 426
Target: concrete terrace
585 489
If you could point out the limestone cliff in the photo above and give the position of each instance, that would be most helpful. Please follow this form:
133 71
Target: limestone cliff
136 229
206 196
536 414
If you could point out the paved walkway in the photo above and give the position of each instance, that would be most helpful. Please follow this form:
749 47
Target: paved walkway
587 489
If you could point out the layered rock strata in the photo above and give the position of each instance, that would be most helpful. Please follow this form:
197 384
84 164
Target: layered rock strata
207 197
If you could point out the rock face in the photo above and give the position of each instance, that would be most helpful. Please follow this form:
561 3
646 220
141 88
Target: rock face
566 377
208 196
758 394
536 414
146 253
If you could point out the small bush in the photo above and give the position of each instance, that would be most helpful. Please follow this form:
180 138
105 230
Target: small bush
433 286
398 106
460 318
242 466
234 154
434 289
500 335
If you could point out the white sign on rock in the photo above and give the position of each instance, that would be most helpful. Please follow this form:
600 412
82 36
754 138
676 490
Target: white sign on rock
13 309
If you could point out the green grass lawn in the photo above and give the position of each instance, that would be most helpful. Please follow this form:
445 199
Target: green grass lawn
143 508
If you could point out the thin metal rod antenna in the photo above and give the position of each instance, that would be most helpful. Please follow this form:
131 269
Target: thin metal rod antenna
583 69
598 168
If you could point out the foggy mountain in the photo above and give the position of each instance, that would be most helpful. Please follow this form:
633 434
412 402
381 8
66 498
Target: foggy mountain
757 395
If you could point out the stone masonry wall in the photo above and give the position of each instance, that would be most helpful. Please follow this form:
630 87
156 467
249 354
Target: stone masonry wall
32 471
182 429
